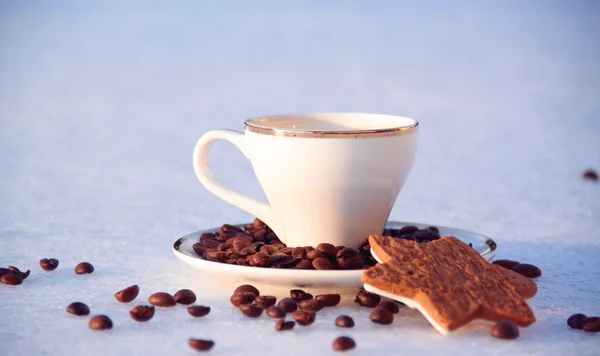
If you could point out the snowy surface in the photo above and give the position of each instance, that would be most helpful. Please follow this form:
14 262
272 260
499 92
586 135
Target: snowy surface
101 105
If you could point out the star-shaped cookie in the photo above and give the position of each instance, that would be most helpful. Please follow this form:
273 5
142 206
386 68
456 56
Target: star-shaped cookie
449 282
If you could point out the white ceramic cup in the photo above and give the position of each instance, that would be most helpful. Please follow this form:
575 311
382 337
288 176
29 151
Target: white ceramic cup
330 177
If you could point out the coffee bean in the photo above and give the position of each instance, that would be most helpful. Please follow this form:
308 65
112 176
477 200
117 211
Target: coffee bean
11 279
215 256
247 288
142 313
422 235
304 264
505 330
322 263
78 308
260 234
199 249
288 304
348 258
508 264
128 294
299 252
389 305
278 245
198 311
240 243
270 250
49 264
251 310
257 246
276 312
226 229
590 174
433 228
329 300
185 296
201 345
100 322
408 237
209 244
241 299
16 271
311 305
287 250
303 318
84 268
283 325
300 295
576 321
382 316
527 270
408 229
223 247
4 271
367 299
265 301
260 259
344 321
343 343
311 255
328 250
207 235
243 261
591 324
162 299
257 224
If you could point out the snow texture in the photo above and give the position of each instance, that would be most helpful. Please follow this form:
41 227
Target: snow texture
101 104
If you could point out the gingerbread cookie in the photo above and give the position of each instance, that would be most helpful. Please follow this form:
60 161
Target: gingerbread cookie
447 281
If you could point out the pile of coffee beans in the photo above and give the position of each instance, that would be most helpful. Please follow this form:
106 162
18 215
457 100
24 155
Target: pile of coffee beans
257 245
525 269
582 322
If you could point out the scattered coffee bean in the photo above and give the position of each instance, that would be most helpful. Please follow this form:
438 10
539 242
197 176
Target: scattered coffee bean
590 174
142 313
367 299
49 264
16 271
241 299
343 343
162 299
310 305
300 295
591 324
283 325
288 304
508 264
576 321
84 268
128 294
276 312
389 305
265 301
185 296
201 345
321 263
247 288
505 330
198 311
11 279
344 321
100 322
303 318
78 308
381 316
329 300
527 270
251 310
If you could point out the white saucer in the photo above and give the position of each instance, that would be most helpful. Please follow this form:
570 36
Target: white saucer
305 278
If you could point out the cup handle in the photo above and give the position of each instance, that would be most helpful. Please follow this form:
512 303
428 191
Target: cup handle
205 175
